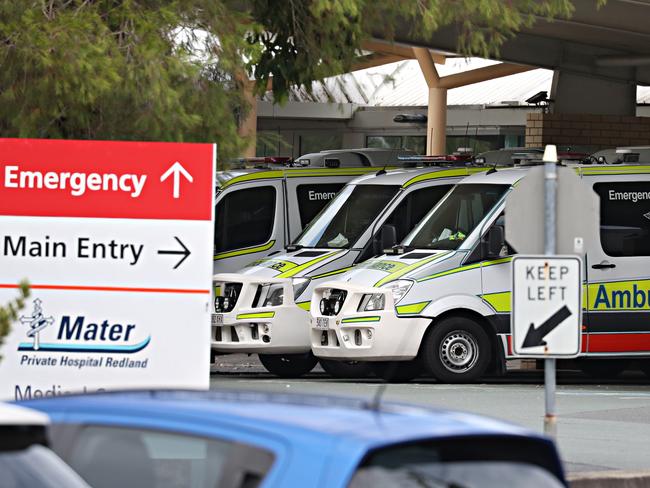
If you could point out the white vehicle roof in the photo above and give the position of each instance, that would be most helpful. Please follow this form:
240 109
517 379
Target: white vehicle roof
500 176
406 177
15 415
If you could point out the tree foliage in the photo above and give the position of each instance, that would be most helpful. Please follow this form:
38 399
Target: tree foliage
121 69
170 69
304 40
9 313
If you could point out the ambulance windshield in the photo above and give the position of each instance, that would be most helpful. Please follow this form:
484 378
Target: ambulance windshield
455 217
347 216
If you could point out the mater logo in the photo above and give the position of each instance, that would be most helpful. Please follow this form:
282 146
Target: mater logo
79 335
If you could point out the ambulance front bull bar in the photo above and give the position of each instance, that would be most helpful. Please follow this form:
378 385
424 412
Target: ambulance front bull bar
367 335
250 328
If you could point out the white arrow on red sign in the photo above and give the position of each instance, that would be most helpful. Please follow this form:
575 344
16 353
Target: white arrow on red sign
177 170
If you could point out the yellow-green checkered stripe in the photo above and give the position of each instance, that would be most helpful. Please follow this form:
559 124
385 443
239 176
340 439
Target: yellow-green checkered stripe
332 273
298 269
447 173
304 305
618 295
242 252
498 301
259 315
356 320
407 269
613 170
412 308
465 268
300 173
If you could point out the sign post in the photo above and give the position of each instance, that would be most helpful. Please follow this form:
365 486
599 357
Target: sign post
550 187
116 240
546 315
547 291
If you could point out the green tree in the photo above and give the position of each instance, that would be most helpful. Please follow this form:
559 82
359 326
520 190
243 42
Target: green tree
304 40
9 313
130 69
169 69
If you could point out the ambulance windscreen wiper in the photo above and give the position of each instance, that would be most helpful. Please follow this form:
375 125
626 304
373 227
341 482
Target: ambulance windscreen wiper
293 247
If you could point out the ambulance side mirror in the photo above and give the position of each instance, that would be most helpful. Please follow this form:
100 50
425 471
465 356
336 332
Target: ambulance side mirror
493 242
386 238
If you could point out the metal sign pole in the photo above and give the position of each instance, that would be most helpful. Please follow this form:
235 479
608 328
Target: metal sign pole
550 199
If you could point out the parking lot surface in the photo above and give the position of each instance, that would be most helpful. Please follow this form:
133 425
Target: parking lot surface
601 426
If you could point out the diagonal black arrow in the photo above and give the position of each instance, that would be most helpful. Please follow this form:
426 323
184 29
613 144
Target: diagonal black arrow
185 252
535 336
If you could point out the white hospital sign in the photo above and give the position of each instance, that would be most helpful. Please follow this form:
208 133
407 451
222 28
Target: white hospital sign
116 241
546 306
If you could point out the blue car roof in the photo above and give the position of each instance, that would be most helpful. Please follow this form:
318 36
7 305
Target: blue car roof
299 423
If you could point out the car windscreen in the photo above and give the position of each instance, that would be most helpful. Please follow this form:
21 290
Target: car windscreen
456 216
468 462
36 467
347 216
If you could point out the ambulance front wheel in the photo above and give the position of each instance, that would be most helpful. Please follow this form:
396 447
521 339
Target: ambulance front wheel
288 365
456 350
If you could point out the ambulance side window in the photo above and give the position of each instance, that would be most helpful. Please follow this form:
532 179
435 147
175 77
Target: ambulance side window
244 218
624 218
313 197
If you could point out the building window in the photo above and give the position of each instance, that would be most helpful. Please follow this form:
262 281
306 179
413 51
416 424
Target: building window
311 143
415 143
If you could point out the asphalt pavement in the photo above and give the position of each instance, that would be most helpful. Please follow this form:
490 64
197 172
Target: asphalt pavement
600 426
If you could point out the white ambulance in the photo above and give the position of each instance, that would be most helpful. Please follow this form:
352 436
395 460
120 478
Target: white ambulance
264 308
441 300
260 211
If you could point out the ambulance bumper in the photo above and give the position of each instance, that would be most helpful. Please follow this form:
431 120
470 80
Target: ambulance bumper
282 329
379 335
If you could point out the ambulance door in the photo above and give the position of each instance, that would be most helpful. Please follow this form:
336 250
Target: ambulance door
249 224
618 267
306 196
496 276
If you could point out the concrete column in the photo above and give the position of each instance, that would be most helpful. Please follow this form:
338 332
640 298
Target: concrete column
437 122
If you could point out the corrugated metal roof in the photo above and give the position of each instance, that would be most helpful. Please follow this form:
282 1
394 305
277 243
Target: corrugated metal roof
402 84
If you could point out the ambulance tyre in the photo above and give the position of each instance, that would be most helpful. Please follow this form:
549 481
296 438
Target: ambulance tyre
456 350
289 365
397 371
603 368
346 369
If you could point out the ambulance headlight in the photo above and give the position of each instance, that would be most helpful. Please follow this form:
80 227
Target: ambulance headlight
398 288
299 286
273 293
372 301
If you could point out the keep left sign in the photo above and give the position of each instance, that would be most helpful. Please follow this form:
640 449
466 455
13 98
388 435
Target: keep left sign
116 240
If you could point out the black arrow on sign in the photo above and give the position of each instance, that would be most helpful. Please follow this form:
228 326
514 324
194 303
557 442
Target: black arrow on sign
535 336
185 252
